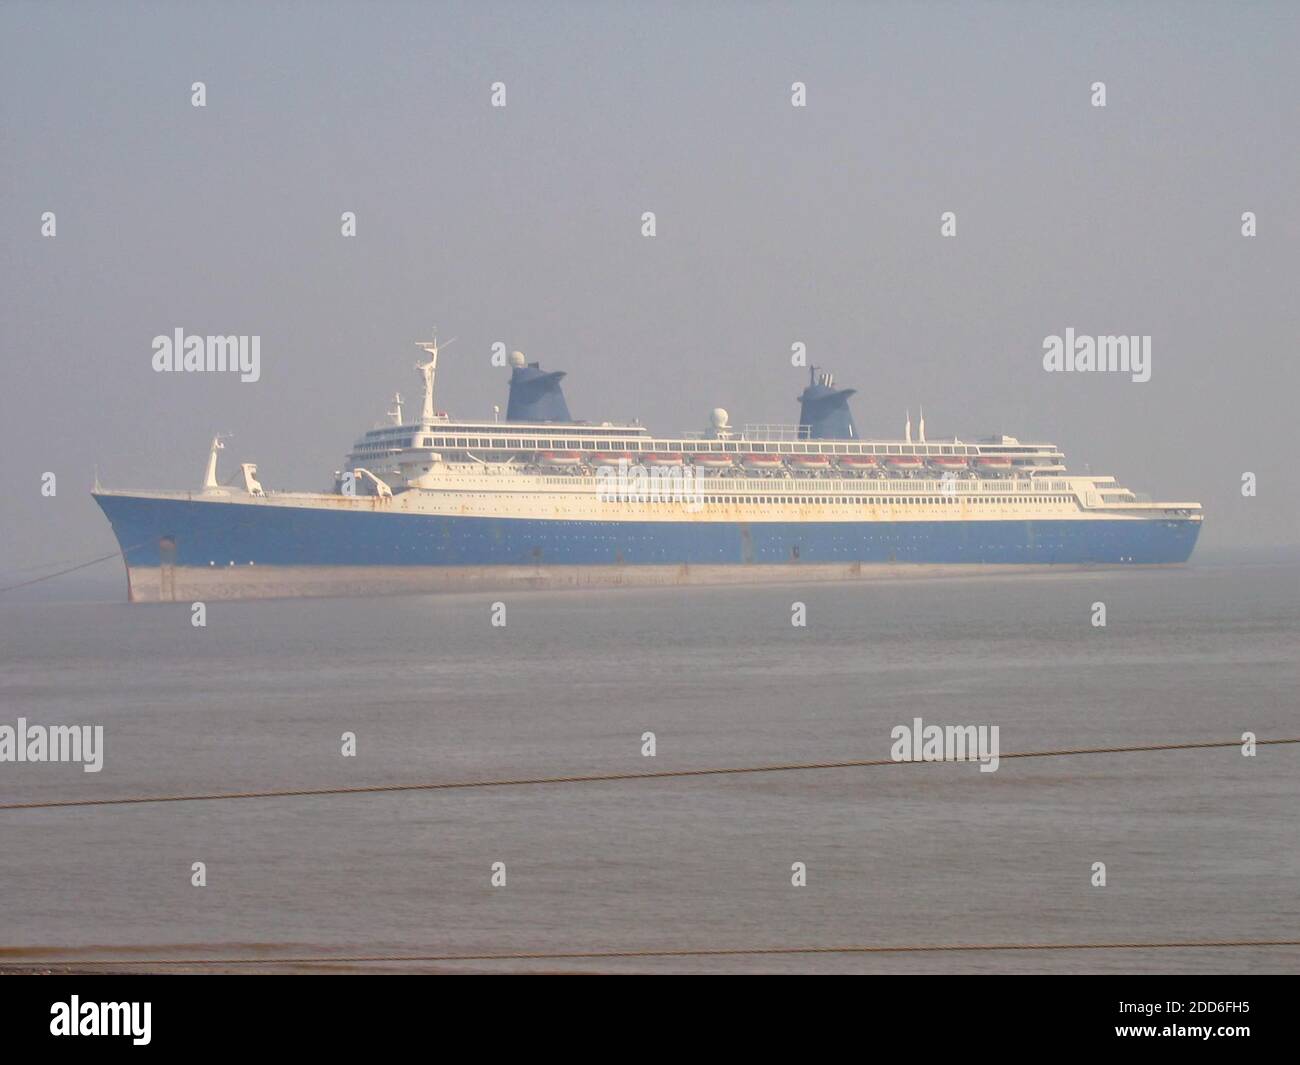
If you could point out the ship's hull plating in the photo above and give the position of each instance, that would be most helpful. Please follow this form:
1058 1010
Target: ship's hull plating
179 548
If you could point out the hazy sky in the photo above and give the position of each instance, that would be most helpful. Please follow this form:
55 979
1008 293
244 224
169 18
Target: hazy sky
523 225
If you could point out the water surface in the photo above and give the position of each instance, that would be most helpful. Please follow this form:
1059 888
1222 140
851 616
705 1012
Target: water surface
1199 845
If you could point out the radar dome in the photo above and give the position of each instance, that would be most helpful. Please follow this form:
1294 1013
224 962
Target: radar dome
719 418
517 360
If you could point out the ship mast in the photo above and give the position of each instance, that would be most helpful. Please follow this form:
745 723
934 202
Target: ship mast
210 474
428 370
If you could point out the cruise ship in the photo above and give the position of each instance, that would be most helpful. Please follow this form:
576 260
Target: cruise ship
540 500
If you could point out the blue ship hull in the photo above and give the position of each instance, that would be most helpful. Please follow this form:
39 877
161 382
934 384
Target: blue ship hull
189 533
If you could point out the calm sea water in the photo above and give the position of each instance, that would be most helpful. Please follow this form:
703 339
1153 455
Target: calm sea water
1198 845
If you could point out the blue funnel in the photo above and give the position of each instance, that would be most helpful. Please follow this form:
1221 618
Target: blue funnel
824 410
536 396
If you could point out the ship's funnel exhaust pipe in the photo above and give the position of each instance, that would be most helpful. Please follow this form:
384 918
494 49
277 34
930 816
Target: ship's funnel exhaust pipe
535 394
824 409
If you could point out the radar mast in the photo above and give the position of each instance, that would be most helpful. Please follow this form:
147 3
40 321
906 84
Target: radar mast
427 370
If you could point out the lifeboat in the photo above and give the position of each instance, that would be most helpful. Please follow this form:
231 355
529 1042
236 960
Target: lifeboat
607 458
993 462
810 462
711 460
561 458
904 462
762 462
857 462
948 462
662 460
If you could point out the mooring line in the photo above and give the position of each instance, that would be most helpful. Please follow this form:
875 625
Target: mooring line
603 778
686 952
120 553
60 573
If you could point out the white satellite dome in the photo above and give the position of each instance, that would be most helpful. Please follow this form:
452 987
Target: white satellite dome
719 418
517 360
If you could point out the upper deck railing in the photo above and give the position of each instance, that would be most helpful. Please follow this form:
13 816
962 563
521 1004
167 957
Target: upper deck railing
775 431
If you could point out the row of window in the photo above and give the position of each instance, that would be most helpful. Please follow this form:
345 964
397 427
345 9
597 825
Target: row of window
731 447
886 500
390 445
962 493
